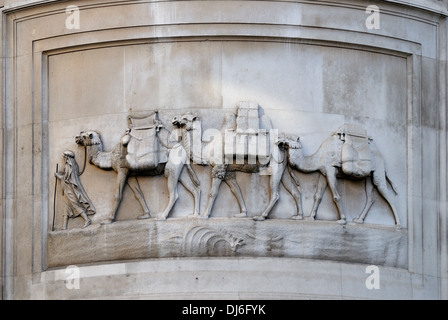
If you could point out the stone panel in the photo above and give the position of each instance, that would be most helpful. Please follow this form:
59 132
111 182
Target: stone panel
311 67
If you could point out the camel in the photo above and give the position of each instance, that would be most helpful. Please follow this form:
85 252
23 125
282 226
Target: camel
115 160
328 160
221 171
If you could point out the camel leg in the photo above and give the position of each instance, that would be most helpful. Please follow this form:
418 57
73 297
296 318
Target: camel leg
332 183
138 194
274 183
185 180
173 170
119 185
236 190
216 183
294 190
369 201
379 180
320 189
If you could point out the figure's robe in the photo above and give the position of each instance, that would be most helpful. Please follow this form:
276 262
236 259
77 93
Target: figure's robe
76 198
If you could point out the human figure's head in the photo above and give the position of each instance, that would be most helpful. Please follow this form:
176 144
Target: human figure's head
70 163
68 154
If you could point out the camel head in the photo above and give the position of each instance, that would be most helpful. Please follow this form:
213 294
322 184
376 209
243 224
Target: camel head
289 142
185 121
88 138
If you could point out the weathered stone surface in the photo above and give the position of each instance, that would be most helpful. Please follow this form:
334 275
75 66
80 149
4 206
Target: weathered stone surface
177 237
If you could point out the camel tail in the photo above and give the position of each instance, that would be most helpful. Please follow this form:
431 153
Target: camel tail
192 175
391 184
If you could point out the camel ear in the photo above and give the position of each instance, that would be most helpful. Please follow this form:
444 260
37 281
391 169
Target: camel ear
90 136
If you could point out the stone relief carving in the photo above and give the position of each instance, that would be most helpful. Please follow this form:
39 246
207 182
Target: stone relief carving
269 242
229 237
77 202
246 149
351 154
143 151
246 142
202 240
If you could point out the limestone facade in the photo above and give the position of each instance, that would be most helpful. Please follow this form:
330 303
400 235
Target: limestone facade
274 77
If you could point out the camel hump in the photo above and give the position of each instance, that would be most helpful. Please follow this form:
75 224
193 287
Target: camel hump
143 150
356 156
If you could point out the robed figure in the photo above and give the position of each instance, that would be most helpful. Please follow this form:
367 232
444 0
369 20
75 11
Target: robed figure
76 199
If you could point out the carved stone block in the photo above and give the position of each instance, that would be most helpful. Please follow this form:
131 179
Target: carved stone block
247 119
324 240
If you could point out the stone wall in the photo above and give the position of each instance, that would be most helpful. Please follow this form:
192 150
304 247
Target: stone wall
315 78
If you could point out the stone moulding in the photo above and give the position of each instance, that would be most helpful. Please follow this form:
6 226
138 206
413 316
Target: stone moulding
180 237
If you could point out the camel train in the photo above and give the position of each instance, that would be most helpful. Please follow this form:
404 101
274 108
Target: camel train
247 143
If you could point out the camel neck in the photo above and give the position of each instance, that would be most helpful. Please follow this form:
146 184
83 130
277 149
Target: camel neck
98 157
303 163
192 146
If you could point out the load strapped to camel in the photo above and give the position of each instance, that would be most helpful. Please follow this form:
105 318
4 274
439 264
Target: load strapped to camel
143 147
247 141
356 154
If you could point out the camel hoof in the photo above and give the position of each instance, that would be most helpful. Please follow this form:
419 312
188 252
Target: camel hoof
144 216
240 215
357 220
309 218
203 217
342 221
193 216
107 221
259 218
398 226
297 217
162 218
